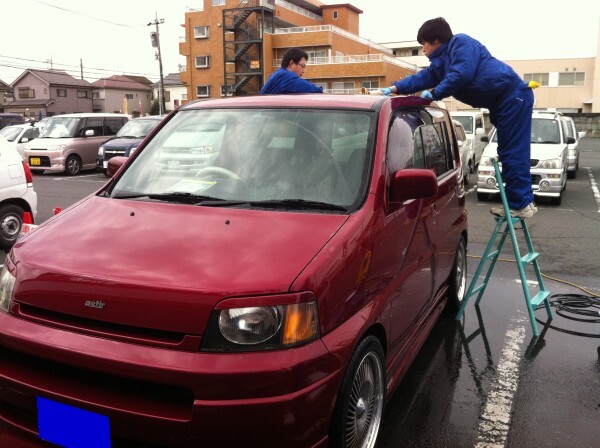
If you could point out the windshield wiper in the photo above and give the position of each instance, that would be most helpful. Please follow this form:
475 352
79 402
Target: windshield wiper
175 196
298 204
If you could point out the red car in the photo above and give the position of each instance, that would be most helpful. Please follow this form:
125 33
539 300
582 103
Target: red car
272 294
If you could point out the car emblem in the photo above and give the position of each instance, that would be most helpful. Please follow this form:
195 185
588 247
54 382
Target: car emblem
95 304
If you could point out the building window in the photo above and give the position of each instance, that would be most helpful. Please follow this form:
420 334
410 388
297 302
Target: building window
229 93
542 78
571 79
202 61
61 92
82 94
167 95
321 84
335 15
343 87
415 52
184 96
26 93
129 96
96 95
218 2
201 32
370 84
202 91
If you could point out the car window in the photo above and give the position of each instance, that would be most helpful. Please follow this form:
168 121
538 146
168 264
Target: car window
10 133
61 127
460 133
257 155
545 131
113 125
95 124
404 149
467 123
137 128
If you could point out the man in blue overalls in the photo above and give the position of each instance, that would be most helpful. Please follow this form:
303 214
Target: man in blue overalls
462 67
288 78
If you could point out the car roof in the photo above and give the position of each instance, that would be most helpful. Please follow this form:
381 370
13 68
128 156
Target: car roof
545 115
317 101
89 114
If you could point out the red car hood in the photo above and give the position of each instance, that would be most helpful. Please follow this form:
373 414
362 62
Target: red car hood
162 266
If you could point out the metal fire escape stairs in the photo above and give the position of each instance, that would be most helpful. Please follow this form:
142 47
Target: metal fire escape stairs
505 226
243 46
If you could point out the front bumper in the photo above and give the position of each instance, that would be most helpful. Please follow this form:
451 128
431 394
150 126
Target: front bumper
46 160
168 397
545 182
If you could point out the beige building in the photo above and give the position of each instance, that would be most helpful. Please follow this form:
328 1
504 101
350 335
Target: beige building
232 47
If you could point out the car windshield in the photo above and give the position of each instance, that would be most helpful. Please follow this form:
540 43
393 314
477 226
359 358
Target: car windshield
545 131
60 127
10 133
467 123
296 159
137 128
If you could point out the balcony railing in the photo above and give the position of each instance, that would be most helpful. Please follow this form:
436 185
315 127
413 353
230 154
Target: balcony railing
336 30
297 9
352 59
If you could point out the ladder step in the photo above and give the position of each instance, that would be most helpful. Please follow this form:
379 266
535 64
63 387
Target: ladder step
528 258
477 289
493 254
539 297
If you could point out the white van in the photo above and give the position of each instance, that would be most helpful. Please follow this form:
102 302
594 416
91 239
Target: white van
70 142
476 125
17 195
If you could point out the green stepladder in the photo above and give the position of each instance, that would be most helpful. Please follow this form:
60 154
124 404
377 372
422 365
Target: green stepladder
506 226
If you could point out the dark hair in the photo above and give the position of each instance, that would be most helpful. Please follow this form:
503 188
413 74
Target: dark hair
293 55
435 29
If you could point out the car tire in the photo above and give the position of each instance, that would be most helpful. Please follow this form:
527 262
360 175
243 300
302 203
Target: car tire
72 165
467 174
571 174
457 282
359 406
11 221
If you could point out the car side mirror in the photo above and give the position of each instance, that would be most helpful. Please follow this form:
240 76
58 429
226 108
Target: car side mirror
479 131
582 134
412 184
114 165
570 140
24 140
485 138
89 133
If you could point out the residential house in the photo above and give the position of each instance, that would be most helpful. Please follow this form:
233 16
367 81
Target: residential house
254 34
122 94
175 91
6 95
44 93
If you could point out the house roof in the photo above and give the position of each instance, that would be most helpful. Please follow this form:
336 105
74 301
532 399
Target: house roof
54 77
140 79
120 82
172 79
32 103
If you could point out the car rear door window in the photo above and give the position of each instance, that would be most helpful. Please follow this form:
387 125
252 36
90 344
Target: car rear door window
112 125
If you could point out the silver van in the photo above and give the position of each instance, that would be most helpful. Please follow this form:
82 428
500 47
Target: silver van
70 142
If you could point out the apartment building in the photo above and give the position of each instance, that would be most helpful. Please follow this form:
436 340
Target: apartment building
232 47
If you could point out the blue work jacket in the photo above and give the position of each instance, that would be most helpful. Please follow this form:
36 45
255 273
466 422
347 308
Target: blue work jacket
286 81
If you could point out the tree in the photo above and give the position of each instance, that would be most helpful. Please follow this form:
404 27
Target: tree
154 108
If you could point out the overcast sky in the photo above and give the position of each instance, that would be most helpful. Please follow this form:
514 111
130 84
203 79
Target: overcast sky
112 37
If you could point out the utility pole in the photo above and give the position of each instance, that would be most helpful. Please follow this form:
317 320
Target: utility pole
155 37
81 67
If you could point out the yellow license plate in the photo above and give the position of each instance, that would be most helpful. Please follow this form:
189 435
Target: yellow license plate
35 161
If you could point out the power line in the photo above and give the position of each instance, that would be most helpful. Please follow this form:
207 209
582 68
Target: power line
86 15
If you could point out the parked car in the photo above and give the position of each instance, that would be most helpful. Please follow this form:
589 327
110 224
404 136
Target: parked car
127 139
273 297
476 125
573 151
20 134
69 143
549 149
40 124
466 151
17 195
10 119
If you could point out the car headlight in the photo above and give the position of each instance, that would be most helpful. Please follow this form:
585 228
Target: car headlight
262 323
7 284
101 151
551 163
56 147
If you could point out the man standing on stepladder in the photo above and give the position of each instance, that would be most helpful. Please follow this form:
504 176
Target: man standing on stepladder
462 67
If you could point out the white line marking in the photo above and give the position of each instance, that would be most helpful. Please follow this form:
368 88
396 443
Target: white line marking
594 187
496 417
